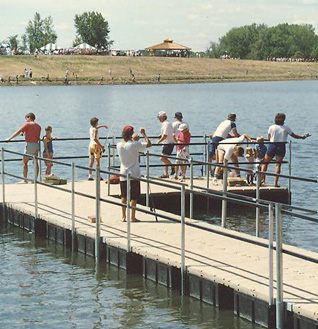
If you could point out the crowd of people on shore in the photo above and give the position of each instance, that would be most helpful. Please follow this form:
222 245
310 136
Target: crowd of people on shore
226 144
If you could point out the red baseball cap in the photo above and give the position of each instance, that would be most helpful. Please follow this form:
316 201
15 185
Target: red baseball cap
128 130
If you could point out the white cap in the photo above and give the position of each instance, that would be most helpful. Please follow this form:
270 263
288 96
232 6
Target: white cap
183 126
162 114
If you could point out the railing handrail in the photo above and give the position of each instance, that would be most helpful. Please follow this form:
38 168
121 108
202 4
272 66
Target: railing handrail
177 186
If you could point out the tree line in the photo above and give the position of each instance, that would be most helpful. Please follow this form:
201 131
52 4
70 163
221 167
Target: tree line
260 42
91 28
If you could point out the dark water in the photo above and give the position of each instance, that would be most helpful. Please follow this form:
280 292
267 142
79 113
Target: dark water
204 106
44 286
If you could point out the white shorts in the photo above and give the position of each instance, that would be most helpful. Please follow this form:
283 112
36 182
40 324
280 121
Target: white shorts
183 155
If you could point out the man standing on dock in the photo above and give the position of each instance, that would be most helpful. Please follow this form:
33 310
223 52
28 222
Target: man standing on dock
166 138
31 131
128 152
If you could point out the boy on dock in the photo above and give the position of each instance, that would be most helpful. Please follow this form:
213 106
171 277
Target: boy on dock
48 149
95 148
183 137
31 131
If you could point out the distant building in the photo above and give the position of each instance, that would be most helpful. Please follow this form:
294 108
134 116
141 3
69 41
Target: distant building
168 49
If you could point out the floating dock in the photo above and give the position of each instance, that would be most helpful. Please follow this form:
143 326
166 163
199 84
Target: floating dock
227 272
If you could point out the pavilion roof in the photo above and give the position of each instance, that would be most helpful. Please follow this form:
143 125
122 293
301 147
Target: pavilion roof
168 44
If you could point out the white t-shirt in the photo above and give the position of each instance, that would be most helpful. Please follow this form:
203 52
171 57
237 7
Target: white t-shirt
166 129
129 157
92 142
228 149
224 128
278 133
175 125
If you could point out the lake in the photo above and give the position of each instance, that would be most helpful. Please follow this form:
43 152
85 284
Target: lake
47 287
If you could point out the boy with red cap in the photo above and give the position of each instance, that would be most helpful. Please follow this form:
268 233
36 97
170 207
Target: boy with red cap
128 152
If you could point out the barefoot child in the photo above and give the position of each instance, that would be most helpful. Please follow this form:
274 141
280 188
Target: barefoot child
95 148
249 157
183 136
48 149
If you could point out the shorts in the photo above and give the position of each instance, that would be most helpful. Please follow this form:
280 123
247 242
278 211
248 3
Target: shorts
134 189
48 156
167 149
95 152
32 149
183 155
214 144
276 149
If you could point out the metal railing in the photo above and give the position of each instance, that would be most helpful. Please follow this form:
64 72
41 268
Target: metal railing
182 188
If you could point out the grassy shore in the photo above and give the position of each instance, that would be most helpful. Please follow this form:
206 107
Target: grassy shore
90 69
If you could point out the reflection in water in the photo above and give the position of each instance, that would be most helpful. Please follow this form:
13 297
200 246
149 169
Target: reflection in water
46 286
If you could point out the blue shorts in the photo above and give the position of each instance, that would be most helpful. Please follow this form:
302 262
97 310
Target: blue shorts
276 149
214 144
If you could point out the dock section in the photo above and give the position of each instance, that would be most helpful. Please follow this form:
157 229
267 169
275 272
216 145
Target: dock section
221 270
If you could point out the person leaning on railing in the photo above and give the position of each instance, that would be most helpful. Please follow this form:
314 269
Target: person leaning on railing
128 152
31 131
278 134
229 149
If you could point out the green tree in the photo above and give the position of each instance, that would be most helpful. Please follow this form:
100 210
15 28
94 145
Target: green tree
314 53
13 41
39 32
214 50
260 41
92 28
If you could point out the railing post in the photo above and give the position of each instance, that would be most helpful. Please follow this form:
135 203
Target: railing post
108 175
270 254
205 153
191 187
40 162
113 151
224 202
183 267
35 189
279 268
258 184
97 227
147 175
128 213
73 206
3 185
207 159
290 169
207 186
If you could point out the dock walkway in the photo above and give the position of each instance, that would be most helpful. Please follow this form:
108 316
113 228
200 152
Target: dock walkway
213 260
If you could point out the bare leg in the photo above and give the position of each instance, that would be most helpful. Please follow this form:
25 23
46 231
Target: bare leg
278 165
166 162
90 164
25 166
133 203
264 166
123 209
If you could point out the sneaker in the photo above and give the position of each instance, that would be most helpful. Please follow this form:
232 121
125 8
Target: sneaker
175 177
90 178
23 181
164 176
215 181
101 178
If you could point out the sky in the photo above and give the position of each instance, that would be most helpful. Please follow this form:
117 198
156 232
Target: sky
137 24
